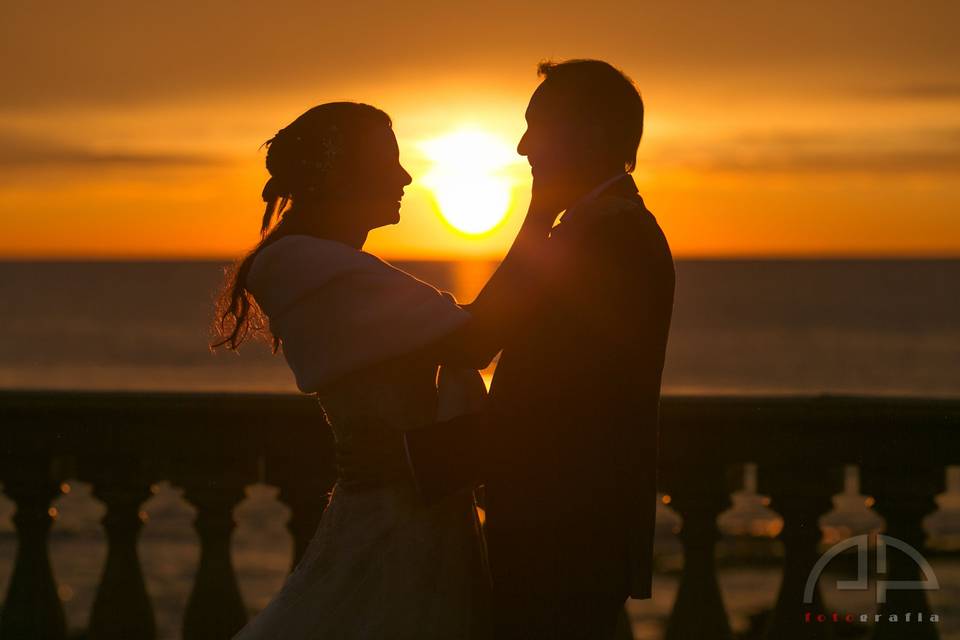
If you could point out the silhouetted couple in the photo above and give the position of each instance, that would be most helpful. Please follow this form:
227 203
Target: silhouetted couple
565 445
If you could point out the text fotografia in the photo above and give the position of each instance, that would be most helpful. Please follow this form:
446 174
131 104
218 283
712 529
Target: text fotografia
861 543
862 582
851 618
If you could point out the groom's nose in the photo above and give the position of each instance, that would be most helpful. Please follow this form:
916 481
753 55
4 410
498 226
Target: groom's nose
523 144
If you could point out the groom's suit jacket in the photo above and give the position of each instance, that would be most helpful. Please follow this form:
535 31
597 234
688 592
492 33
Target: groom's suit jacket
567 451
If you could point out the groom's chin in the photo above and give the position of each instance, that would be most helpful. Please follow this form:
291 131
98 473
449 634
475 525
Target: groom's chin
388 217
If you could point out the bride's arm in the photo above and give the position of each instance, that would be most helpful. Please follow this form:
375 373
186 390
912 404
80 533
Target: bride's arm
454 449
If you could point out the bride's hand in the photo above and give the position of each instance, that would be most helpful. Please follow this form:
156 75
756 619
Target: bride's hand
545 205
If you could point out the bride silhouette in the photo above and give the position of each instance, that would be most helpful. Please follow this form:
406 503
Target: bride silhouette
355 331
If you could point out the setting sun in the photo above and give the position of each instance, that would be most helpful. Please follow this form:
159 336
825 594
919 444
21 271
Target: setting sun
468 178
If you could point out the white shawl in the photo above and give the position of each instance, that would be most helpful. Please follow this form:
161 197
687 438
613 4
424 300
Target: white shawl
337 309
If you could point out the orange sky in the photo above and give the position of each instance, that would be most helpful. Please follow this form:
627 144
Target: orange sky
132 129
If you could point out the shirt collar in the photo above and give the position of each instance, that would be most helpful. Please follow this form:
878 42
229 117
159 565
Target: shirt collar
593 193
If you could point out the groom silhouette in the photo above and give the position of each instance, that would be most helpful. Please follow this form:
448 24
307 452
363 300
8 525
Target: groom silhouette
567 449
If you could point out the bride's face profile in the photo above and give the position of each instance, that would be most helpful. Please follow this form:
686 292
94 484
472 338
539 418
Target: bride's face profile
371 184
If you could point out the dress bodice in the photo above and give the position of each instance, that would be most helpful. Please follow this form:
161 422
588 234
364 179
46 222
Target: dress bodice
400 394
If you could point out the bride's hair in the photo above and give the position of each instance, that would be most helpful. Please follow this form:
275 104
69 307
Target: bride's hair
298 157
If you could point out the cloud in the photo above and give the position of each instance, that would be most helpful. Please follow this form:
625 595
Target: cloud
18 151
918 91
854 161
63 56
931 151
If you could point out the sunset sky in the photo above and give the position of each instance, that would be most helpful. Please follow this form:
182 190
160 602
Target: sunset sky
811 129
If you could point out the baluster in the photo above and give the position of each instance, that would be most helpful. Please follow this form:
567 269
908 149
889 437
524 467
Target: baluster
800 496
32 608
306 507
699 495
215 609
122 609
904 496
301 464
624 630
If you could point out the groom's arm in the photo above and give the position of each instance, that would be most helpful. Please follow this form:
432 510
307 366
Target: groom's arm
504 303
451 456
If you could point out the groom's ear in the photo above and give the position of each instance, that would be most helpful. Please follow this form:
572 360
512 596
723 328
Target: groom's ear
594 139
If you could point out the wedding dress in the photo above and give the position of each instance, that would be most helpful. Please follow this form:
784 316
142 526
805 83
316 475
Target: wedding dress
382 565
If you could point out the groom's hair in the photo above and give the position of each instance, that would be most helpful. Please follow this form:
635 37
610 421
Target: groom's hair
602 94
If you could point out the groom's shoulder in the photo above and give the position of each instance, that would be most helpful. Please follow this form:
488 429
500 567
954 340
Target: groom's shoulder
625 219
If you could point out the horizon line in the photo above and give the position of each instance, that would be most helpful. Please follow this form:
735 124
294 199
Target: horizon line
746 257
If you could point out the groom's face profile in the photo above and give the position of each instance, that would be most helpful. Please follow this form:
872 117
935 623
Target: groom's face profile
584 124
549 142
564 146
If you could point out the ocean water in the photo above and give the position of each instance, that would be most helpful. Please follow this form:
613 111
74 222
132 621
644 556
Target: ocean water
870 327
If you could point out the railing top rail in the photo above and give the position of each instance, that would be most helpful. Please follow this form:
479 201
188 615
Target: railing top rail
707 429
